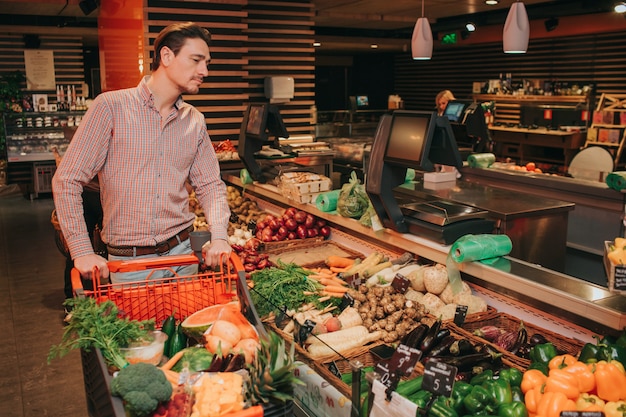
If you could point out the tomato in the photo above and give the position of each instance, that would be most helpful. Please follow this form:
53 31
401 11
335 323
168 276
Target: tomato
530 166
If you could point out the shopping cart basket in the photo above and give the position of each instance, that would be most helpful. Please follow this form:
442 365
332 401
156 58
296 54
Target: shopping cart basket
159 298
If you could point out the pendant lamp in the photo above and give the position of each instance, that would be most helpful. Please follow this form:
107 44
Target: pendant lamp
422 40
516 30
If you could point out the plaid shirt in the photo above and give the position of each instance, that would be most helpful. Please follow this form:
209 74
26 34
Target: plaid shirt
142 163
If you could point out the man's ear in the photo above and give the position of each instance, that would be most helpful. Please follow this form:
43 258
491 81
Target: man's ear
166 56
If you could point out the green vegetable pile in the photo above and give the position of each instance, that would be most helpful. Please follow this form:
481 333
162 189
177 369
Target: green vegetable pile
142 387
99 325
283 286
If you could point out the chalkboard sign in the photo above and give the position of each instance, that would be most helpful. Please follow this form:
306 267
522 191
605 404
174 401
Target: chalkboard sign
582 414
459 315
619 282
439 378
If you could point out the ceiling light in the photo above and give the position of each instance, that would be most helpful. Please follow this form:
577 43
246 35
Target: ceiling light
470 27
317 44
374 46
516 30
491 2
620 7
422 40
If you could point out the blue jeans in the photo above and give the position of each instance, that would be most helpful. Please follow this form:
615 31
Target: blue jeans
183 248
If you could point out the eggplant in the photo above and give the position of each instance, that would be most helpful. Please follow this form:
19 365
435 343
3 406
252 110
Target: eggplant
522 339
227 360
443 346
537 339
236 363
462 347
466 362
216 363
415 336
428 341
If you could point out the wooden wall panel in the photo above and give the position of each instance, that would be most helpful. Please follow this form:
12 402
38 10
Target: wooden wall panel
68 59
250 41
598 59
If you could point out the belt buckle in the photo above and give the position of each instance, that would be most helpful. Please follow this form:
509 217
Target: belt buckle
162 248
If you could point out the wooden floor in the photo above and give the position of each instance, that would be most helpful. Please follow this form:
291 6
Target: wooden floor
31 316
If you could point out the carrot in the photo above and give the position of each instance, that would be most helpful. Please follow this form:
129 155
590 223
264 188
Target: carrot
328 281
335 288
254 411
172 361
339 281
333 294
320 277
339 261
338 270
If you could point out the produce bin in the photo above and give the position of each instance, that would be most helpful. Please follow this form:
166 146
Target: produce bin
157 299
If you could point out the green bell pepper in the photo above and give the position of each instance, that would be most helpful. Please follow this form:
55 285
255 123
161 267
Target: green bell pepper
500 391
517 394
420 398
479 401
442 408
611 353
513 409
460 390
589 353
541 366
512 375
481 378
621 340
543 352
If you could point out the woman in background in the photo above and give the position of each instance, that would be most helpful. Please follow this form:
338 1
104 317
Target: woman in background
442 99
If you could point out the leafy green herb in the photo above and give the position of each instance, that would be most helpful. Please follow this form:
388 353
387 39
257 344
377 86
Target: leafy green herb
283 286
99 325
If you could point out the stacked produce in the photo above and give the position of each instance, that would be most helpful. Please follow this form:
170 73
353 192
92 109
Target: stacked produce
617 251
225 151
292 224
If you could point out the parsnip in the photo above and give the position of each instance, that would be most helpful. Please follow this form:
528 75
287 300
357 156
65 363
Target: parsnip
317 350
350 317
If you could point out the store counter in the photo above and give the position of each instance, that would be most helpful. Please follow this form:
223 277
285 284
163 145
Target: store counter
580 302
536 225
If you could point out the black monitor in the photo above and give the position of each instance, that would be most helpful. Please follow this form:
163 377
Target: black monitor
467 120
362 102
262 124
406 139
420 140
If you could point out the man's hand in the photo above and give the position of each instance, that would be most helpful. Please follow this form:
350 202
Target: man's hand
214 251
86 264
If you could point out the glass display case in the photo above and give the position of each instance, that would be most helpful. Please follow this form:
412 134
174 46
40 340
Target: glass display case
31 136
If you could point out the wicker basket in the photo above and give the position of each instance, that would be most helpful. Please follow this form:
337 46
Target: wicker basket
315 250
510 323
470 318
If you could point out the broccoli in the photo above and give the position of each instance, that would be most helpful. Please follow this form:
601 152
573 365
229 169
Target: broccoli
142 387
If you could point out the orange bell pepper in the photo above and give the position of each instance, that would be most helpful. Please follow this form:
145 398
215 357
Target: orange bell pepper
564 382
531 400
585 378
615 409
589 402
552 403
532 378
561 361
610 380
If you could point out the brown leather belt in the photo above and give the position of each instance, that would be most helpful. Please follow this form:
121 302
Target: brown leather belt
162 248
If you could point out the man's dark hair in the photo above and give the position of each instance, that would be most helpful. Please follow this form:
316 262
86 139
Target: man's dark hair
174 37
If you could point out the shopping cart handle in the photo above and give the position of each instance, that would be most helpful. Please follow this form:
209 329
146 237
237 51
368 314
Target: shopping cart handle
151 263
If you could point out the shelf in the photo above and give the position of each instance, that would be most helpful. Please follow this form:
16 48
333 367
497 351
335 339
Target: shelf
531 99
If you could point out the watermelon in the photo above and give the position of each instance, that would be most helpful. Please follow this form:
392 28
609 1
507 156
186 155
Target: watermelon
199 322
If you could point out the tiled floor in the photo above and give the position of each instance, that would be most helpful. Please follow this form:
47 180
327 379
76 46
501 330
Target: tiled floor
31 316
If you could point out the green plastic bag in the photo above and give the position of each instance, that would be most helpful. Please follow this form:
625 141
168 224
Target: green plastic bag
353 200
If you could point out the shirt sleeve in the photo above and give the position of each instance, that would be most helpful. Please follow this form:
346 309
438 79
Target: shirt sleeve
80 164
210 190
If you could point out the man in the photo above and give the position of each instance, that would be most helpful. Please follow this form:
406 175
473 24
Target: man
143 143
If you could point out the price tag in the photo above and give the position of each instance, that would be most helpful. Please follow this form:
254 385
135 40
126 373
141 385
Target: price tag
459 315
400 283
334 369
404 359
346 301
582 414
280 317
353 280
439 378
302 331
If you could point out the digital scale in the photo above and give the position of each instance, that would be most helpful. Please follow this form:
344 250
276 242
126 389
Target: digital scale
445 221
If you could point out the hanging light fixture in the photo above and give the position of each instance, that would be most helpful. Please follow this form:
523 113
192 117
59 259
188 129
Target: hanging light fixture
422 40
516 30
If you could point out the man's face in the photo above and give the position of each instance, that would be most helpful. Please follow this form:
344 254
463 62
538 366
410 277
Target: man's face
190 66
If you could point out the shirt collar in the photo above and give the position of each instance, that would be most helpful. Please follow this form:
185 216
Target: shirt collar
147 96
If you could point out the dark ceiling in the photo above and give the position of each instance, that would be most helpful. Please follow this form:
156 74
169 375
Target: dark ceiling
343 26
